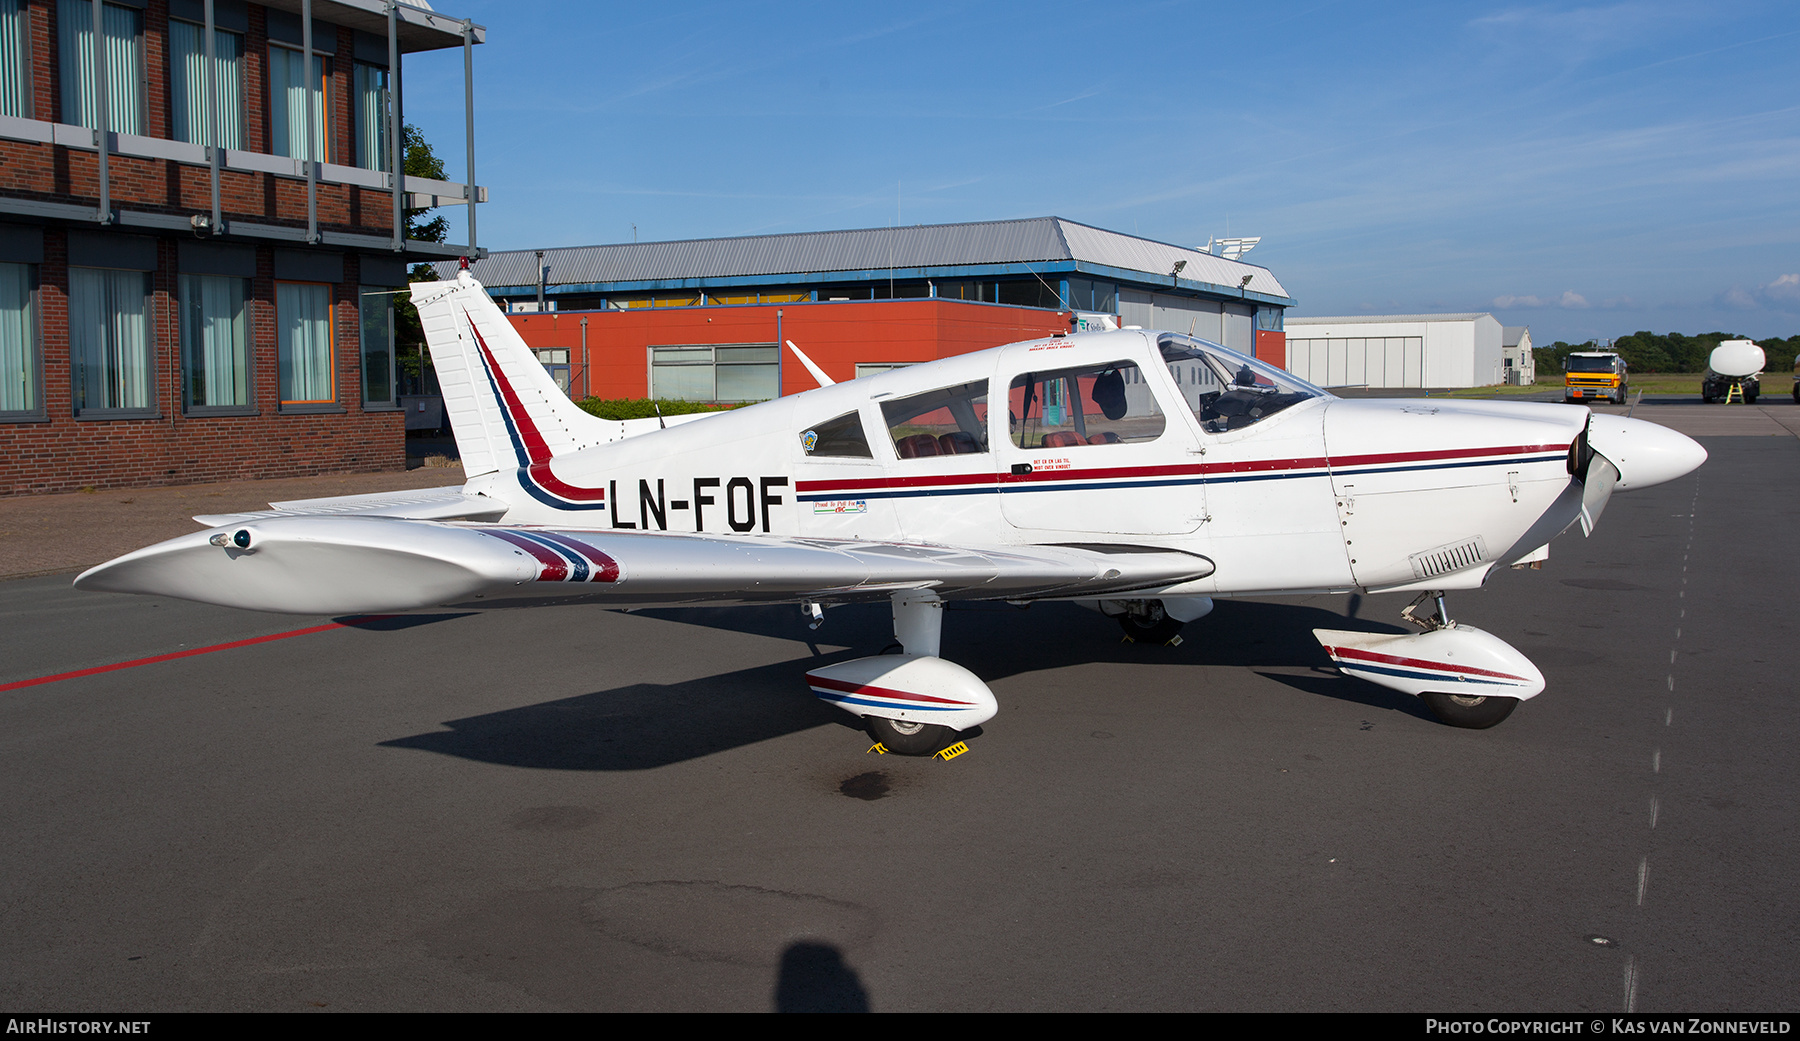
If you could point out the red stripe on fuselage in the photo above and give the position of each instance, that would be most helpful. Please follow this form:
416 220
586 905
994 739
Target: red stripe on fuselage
1180 470
1447 453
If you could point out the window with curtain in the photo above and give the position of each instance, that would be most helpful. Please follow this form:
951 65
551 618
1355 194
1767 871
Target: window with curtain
12 60
378 347
214 343
18 340
109 339
303 342
289 90
122 28
371 117
191 115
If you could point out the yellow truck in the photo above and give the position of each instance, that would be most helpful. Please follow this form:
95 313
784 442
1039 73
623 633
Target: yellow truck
1588 375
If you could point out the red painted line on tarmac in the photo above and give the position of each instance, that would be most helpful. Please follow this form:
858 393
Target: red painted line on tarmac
171 656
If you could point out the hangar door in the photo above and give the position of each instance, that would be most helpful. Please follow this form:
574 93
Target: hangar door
1177 314
1373 361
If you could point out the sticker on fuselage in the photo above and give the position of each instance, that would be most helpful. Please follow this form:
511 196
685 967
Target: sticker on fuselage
841 506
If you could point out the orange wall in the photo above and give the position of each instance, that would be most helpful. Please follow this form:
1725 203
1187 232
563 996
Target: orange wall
1271 346
836 336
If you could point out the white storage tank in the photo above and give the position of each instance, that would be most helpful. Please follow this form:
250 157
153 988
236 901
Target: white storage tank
1736 359
1734 371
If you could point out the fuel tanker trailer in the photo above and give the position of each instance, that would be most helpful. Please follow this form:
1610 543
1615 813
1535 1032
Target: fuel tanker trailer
1733 370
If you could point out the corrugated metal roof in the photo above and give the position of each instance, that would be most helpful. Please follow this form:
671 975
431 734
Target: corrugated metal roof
1113 249
1372 319
1034 240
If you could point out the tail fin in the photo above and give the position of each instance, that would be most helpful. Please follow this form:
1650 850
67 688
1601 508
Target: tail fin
503 406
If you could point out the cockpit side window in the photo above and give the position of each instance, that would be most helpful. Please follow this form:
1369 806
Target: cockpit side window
950 421
1107 404
1227 390
840 438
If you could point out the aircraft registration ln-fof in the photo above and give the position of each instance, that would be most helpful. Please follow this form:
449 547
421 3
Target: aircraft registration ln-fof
1138 473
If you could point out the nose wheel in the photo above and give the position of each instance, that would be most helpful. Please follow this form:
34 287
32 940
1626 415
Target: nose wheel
907 737
1468 712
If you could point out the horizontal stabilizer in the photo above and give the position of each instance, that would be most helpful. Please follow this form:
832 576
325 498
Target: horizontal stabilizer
446 503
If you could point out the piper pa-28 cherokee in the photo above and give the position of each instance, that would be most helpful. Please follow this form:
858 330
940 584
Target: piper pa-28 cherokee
1138 473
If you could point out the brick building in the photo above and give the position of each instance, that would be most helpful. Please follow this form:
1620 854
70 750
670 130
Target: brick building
200 236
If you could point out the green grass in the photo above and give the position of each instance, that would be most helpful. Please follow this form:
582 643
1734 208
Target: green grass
1653 384
646 408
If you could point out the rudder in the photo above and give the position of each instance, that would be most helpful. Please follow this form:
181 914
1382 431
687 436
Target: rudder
502 405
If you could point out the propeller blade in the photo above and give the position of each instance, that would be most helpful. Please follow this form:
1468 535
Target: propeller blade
1596 490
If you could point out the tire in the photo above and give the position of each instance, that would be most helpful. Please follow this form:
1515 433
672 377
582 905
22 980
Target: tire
905 737
1152 627
1470 713
1750 397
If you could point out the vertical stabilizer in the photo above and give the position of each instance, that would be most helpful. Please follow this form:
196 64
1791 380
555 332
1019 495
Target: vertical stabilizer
503 406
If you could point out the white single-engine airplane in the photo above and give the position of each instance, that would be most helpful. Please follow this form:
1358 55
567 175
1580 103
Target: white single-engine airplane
1138 473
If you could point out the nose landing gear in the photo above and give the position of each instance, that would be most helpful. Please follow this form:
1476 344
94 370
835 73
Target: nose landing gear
1466 677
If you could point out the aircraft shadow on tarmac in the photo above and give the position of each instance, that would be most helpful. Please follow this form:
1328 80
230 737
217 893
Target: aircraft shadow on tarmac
643 726
393 623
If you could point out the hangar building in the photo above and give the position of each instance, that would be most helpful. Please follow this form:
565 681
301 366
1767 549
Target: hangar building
1516 356
703 319
1397 350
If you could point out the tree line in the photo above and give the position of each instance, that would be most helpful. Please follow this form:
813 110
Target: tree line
1667 352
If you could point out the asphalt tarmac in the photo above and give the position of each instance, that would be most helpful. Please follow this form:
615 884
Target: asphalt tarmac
564 807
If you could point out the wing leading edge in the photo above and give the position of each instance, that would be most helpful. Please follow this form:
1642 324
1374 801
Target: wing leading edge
359 563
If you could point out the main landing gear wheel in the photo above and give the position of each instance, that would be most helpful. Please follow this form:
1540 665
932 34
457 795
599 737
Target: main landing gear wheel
1150 624
1472 713
905 737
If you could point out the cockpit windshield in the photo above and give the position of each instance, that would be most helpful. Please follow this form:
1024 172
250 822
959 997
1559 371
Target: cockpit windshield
1228 390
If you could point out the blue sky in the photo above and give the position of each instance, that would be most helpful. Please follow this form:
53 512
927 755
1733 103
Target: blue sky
1585 170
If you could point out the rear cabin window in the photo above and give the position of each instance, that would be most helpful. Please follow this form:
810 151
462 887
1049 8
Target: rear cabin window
840 438
1106 404
951 421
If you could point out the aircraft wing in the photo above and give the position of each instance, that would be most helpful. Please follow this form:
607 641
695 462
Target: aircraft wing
446 503
352 564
